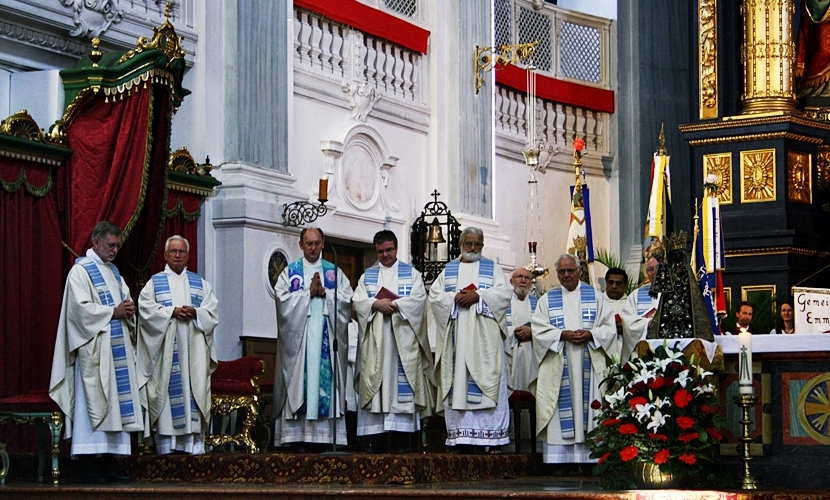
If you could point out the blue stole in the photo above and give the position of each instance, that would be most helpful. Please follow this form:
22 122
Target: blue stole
370 281
119 349
486 268
485 274
643 300
161 288
556 313
296 283
509 316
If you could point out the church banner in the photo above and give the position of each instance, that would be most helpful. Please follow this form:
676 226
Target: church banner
812 310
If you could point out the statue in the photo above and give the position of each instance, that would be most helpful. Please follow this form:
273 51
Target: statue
680 313
813 51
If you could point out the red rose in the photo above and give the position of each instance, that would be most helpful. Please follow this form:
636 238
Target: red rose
688 458
714 434
682 398
628 429
611 421
685 422
639 400
657 437
579 144
628 453
596 405
661 456
687 438
604 457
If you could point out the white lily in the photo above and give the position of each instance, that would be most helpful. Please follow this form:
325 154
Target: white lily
657 420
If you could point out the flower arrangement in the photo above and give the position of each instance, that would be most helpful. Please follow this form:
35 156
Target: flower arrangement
660 409
710 185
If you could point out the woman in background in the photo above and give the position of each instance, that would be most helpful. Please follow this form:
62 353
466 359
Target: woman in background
786 318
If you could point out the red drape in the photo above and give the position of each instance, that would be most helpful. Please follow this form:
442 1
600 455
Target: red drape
107 168
556 90
181 216
118 174
31 285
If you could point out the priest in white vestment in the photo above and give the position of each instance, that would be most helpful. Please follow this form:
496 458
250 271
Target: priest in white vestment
313 311
638 312
394 370
573 331
469 300
519 348
178 313
93 369
616 282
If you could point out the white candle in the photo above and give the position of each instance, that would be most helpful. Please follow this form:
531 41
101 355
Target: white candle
745 362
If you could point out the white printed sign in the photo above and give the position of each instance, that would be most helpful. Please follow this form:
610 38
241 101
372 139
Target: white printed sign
812 310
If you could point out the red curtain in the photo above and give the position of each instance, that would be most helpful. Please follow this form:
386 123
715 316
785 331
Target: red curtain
31 285
118 174
181 216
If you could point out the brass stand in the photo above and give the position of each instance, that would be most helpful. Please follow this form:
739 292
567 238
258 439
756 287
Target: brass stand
746 402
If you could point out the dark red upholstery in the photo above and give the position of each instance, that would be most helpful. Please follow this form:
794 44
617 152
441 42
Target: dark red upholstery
35 400
234 377
521 397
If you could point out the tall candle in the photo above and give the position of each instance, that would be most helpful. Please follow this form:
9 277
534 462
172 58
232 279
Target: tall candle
323 189
745 362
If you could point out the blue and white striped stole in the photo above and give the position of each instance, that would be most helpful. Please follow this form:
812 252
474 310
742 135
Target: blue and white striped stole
119 350
161 288
556 313
643 300
370 281
509 315
486 268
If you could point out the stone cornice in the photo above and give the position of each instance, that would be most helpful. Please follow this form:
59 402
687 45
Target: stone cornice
47 27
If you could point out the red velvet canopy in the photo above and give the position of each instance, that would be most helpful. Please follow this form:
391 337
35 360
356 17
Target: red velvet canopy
115 134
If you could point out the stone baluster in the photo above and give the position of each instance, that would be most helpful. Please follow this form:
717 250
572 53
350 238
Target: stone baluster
325 46
371 59
389 68
316 36
336 51
305 38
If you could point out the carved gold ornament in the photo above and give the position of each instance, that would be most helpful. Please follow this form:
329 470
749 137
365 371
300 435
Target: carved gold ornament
720 165
798 177
708 58
823 167
758 176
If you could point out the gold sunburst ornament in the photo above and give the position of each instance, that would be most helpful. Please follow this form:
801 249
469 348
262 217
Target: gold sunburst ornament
720 165
799 177
758 176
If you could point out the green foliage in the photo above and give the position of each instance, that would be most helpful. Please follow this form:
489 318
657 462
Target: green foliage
609 260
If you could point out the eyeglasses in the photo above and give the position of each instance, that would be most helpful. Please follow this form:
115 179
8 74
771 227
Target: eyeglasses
177 252
567 271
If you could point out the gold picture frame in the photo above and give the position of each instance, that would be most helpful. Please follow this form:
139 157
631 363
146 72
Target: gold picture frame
754 293
758 176
720 164
799 177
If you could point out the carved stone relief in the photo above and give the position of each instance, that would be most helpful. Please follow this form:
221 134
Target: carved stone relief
93 17
362 99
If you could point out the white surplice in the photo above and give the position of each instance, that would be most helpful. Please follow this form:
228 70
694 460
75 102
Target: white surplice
83 372
476 350
197 359
523 366
549 346
300 317
635 326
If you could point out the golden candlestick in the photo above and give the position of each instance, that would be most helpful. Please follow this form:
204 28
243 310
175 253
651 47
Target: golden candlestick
746 402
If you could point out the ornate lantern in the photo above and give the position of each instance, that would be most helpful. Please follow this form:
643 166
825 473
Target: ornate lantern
430 248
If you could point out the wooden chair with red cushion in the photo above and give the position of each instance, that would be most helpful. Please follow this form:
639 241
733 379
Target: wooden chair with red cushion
519 401
235 386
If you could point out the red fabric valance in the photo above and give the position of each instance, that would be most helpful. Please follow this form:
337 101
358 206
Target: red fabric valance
552 89
370 20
